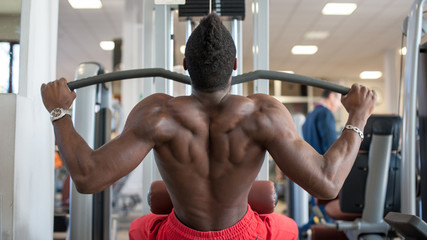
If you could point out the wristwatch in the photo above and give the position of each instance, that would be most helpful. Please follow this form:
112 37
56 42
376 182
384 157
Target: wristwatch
59 113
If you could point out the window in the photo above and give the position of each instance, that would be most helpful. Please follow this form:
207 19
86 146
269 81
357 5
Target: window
9 67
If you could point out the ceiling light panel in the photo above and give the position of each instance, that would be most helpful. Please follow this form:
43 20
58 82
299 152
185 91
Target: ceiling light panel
339 8
316 35
370 75
304 49
85 4
168 2
107 45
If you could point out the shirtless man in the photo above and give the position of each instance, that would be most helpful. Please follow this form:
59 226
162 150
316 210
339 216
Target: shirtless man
209 148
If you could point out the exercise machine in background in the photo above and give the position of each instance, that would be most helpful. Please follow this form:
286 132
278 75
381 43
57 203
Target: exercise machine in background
410 222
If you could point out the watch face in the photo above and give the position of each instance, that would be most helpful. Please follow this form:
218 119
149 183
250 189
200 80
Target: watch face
56 112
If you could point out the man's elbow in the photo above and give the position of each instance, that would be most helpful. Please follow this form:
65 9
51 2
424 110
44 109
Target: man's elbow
327 195
329 192
85 186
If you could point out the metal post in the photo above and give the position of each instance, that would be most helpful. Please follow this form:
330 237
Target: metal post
376 182
171 44
1 216
171 52
84 119
188 31
261 57
236 33
392 79
162 31
147 87
409 109
102 202
162 45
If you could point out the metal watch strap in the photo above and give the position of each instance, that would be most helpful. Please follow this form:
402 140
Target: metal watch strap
356 129
59 113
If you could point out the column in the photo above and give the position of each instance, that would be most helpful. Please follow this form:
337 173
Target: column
261 57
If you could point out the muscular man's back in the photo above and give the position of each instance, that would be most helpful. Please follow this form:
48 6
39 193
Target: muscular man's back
207 155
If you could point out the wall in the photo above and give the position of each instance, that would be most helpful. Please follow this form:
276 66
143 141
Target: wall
9 29
27 144
7 146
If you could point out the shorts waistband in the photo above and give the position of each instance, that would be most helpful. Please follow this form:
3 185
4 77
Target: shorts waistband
179 230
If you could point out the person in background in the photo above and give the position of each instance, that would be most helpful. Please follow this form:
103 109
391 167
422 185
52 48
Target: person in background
319 126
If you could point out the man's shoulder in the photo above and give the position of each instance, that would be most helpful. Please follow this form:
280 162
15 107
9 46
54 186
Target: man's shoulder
154 100
264 99
324 111
319 109
260 96
152 104
319 114
157 97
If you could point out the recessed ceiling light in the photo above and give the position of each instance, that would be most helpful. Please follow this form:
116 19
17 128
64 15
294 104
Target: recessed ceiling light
169 2
107 45
85 4
316 35
370 75
339 8
304 49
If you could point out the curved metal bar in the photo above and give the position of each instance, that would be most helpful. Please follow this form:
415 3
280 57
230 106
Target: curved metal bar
288 77
160 72
128 74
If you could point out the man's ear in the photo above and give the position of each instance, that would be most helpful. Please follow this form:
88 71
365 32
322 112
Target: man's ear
184 64
235 64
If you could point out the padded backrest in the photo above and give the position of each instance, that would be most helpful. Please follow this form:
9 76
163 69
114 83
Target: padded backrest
382 125
352 195
262 197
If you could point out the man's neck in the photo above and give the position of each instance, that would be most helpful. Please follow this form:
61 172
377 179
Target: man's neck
325 103
211 98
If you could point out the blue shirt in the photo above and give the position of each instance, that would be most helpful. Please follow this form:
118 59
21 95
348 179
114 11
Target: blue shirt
319 129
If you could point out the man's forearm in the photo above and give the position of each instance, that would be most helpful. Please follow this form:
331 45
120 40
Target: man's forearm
74 151
340 157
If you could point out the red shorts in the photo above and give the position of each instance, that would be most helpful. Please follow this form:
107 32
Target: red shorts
251 226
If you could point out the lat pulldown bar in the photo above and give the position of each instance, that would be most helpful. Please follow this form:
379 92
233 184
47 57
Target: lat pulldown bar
160 72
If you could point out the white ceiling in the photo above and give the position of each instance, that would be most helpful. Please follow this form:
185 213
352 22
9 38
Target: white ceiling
355 43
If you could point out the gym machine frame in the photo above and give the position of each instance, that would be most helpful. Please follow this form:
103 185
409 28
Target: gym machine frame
407 223
372 219
91 119
409 131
